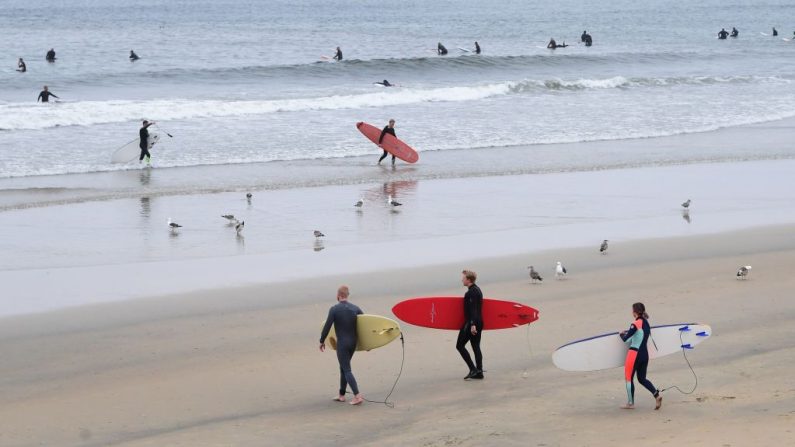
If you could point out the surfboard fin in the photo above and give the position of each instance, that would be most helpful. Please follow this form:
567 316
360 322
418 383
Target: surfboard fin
684 329
702 334
687 346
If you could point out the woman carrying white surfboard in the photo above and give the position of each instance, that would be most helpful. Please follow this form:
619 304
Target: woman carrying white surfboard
638 356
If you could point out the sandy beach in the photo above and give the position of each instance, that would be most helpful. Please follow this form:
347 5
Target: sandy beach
234 367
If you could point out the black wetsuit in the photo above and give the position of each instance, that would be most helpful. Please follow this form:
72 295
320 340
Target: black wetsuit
775 32
640 351
588 40
583 36
143 136
735 33
50 56
343 316
473 315
477 48
22 67
338 56
723 34
441 50
387 130
133 56
552 44
44 96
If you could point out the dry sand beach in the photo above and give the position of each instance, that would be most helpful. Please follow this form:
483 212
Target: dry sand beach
235 367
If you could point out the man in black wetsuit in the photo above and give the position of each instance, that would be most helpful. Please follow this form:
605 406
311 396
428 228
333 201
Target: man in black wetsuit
441 50
477 47
385 83
133 57
143 143
50 55
388 129
588 40
775 31
45 94
21 67
338 55
735 33
343 316
583 35
473 325
552 44
723 34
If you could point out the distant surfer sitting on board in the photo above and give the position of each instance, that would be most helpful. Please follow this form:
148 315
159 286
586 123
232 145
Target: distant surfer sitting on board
735 33
638 356
338 55
50 55
473 325
45 94
441 50
775 31
21 67
723 34
388 129
143 136
477 47
133 57
343 316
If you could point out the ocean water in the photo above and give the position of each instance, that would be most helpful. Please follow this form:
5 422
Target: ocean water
240 82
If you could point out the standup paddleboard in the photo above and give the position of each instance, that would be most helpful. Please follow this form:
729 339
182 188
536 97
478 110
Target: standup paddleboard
132 150
390 144
442 312
372 331
609 351
464 50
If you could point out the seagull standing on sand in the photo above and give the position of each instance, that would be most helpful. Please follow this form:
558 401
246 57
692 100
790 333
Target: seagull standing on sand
742 273
239 226
359 204
389 201
686 205
229 217
603 248
534 276
319 234
173 225
560 271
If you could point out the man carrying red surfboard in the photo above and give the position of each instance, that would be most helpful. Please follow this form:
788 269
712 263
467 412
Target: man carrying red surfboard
388 129
473 325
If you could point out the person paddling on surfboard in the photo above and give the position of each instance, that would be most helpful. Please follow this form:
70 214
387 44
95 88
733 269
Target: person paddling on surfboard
44 95
338 55
388 129
473 325
143 136
441 50
343 316
385 83
638 356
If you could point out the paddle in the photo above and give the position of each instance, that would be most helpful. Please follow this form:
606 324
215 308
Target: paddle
161 129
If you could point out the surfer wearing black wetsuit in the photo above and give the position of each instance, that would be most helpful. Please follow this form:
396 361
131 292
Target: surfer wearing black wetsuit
343 316
588 40
21 67
735 33
638 356
143 143
441 50
133 57
775 31
582 36
477 47
45 94
385 83
473 325
50 55
723 34
338 55
388 129
552 44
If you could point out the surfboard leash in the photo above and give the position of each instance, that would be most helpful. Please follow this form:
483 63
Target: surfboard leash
685 347
402 361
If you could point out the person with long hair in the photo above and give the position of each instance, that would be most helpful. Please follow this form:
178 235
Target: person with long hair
638 356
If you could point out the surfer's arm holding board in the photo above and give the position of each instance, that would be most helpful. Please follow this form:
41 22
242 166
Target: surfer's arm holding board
326 329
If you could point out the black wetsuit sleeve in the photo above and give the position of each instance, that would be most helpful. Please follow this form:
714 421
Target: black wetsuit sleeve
630 333
52 94
327 326
40 96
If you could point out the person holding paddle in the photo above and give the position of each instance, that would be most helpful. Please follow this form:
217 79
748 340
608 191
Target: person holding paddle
388 129
143 136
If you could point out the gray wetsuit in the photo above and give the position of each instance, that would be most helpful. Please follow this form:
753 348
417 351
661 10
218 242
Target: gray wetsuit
343 316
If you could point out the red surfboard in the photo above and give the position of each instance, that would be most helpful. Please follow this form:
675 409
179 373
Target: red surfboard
390 144
443 312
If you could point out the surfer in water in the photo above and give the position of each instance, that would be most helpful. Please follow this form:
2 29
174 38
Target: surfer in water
338 55
143 143
723 34
775 31
588 40
133 57
50 55
385 83
552 44
343 316
583 36
735 33
45 94
477 47
441 50
473 325
21 67
638 356
388 129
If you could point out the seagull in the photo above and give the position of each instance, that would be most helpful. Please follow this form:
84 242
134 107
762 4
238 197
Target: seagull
389 201
686 205
534 275
560 271
249 195
229 217
173 225
742 273
239 226
319 234
603 248
359 203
